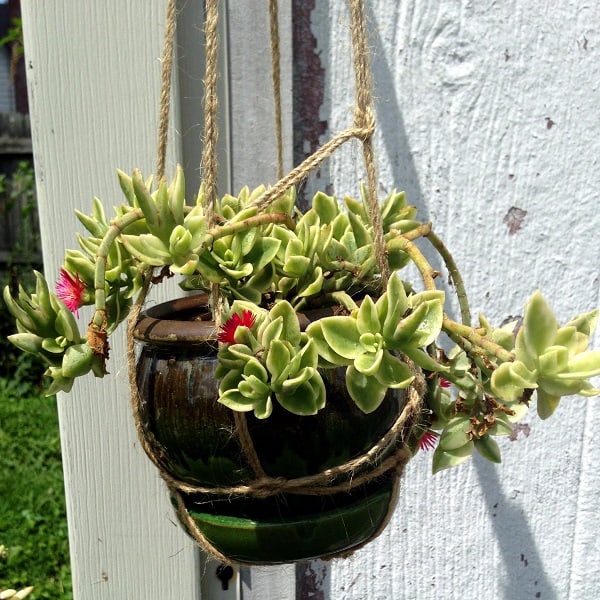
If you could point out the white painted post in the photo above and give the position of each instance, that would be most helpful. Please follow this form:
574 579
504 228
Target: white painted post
488 115
93 74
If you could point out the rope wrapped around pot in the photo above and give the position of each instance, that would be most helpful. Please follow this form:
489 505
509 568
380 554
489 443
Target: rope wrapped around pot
390 453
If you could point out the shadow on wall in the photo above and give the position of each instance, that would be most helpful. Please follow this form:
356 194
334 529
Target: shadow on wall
526 575
311 124
394 137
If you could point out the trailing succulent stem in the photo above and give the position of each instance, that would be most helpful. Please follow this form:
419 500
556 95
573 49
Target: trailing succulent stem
272 263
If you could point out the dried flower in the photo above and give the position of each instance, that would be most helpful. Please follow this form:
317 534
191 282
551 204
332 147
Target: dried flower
70 290
227 331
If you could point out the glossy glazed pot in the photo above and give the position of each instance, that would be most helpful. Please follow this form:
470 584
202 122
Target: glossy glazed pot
193 438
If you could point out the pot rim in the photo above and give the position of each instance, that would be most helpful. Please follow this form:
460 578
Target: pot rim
154 324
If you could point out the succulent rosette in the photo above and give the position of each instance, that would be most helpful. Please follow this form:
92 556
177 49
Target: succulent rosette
369 339
552 360
270 358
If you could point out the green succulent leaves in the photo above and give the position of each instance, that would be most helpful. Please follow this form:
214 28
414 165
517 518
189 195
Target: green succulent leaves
275 359
370 340
272 359
171 236
47 328
276 262
493 393
551 359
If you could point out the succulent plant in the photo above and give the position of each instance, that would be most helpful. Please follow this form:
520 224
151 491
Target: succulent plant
269 265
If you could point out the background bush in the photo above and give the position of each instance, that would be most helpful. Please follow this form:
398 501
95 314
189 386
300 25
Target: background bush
33 524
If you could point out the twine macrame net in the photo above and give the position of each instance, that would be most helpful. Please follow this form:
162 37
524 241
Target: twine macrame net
387 455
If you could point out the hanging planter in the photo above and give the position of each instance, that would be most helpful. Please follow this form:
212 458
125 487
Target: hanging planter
282 405
281 489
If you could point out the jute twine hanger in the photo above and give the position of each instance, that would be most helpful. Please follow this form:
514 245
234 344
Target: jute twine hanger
389 454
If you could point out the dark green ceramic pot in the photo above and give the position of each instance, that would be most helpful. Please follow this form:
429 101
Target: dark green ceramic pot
193 438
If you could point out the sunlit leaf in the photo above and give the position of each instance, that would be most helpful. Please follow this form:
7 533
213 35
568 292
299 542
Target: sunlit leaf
488 448
366 391
539 326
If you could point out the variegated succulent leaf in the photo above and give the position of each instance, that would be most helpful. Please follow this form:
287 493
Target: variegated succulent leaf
553 360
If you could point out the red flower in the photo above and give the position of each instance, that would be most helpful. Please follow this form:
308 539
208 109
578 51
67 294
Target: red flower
228 329
428 440
70 289
444 383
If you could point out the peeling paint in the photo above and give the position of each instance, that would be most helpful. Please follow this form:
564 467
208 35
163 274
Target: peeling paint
517 429
514 219
309 82
312 579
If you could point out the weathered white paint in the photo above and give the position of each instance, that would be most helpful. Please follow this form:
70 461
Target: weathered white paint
93 73
483 106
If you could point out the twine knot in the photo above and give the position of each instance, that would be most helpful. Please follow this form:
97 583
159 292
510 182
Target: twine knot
364 119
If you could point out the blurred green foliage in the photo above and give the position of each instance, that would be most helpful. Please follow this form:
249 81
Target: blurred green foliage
20 374
33 524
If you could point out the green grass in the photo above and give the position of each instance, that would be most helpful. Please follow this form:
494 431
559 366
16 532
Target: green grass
33 524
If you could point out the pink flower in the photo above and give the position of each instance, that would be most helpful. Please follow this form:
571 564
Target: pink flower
444 383
227 331
70 289
428 440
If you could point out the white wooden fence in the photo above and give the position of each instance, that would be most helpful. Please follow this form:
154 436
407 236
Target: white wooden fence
484 108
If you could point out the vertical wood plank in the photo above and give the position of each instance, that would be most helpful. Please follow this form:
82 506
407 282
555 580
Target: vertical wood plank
483 108
254 151
94 75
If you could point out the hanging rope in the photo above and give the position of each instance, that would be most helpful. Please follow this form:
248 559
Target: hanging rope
276 76
209 166
389 454
165 90
211 104
364 118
